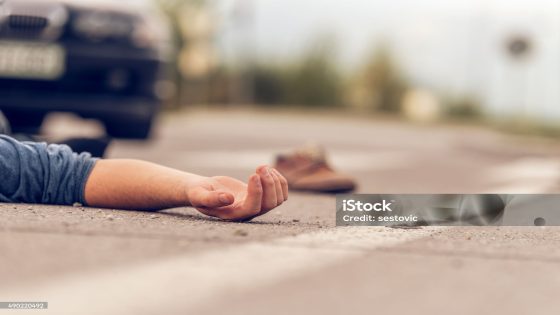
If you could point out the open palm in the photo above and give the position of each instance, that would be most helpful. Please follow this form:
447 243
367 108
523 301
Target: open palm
228 198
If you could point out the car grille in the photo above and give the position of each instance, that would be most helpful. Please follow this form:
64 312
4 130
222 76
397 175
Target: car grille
32 20
26 25
27 22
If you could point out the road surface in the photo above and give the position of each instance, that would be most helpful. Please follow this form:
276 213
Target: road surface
294 260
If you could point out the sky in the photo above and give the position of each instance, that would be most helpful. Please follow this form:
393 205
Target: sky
285 27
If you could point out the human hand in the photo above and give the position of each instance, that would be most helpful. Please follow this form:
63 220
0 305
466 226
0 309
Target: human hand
228 198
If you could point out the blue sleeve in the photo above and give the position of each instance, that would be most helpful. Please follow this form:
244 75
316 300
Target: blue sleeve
39 173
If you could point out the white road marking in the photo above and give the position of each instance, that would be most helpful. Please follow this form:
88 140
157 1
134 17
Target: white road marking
527 176
192 280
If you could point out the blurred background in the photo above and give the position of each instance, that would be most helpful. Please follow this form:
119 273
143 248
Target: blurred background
424 60
494 61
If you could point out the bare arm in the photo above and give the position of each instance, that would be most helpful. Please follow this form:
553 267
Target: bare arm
134 184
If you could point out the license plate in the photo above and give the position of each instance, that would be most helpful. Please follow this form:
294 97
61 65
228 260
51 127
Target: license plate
40 61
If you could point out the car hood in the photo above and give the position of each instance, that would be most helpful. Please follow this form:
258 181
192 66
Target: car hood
126 5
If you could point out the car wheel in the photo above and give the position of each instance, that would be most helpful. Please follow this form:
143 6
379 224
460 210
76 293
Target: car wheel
24 122
128 129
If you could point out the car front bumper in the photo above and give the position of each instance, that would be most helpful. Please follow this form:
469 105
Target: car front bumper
97 82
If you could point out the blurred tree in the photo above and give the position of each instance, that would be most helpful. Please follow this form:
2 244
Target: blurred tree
173 10
270 84
316 80
463 108
379 85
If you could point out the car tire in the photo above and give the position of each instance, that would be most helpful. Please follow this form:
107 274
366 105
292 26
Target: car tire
129 129
24 122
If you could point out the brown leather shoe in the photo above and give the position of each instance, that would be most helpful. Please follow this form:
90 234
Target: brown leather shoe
307 169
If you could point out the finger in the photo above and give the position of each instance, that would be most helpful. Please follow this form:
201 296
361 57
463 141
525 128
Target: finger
253 202
220 213
283 182
269 199
278 186
201 197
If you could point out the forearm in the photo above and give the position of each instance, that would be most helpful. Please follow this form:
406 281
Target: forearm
134 184
37 173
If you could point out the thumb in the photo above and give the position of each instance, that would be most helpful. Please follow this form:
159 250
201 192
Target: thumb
201 197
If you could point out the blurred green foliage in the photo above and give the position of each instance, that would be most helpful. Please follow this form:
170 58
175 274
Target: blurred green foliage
463 108
316 81
313 81
380 81
171 9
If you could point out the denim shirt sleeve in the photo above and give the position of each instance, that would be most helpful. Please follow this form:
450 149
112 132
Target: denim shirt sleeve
39 173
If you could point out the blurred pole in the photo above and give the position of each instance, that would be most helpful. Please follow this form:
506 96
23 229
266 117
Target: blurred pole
243 21
519 47
197 57
477 80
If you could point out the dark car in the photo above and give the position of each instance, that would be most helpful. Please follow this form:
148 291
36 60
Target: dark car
94 59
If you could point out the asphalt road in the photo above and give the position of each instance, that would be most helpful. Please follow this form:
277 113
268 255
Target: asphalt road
294 260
